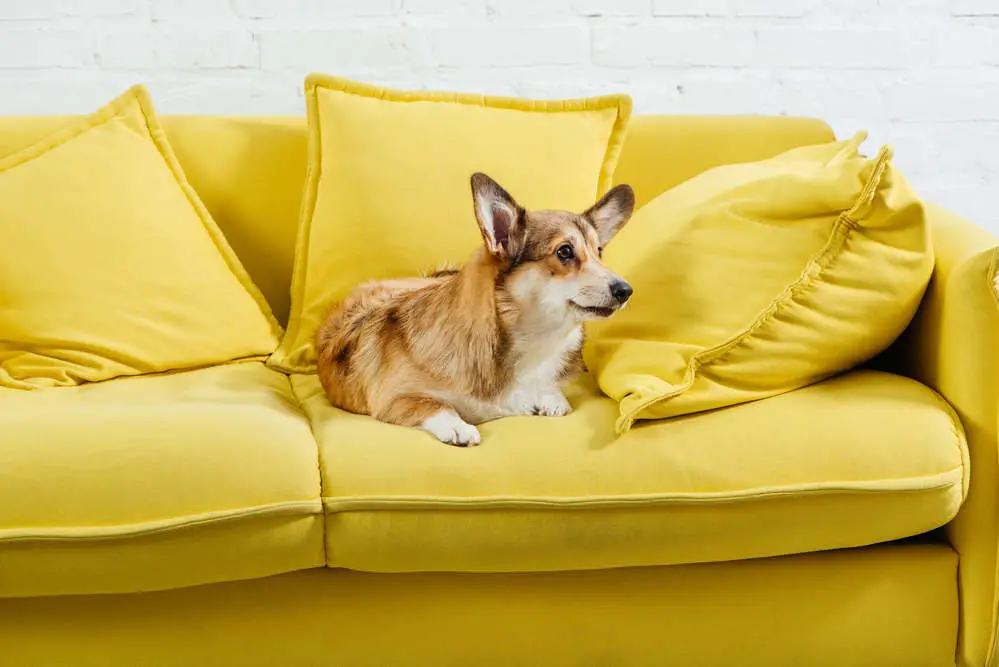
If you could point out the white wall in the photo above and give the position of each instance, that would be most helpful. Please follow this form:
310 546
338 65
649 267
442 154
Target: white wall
922 74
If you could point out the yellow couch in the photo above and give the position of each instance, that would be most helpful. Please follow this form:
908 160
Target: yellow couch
230 516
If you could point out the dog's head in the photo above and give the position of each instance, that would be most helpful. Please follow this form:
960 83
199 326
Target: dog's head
552 259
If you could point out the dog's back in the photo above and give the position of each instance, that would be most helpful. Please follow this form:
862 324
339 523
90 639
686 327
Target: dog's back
358 338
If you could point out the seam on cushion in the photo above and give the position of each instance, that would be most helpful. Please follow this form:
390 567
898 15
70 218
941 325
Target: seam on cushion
615 144
163 147
87 533
957 429
845 224
596 103
319 464
990 654
907 485
71 130
7 381
992 274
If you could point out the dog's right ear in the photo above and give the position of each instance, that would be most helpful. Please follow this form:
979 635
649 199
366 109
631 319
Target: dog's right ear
613 210
500 218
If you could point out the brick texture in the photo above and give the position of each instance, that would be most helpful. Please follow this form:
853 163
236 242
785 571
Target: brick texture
921 74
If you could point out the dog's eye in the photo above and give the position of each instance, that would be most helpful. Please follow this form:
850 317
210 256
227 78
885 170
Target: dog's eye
600 252
565 252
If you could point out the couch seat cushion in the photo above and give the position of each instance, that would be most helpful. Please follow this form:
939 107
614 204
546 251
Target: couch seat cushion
156 482
859 459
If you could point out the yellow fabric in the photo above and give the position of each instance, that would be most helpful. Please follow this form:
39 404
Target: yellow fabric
953 346
859 459
112 266
663 151
156 482
388 195
874 607
755 279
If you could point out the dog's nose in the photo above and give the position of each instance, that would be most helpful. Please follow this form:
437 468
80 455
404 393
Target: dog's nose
620 290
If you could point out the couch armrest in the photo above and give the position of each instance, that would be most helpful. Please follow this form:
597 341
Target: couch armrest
953 346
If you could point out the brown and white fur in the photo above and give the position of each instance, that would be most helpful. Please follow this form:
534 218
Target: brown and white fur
497 338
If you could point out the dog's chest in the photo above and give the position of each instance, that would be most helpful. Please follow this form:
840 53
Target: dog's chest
539 362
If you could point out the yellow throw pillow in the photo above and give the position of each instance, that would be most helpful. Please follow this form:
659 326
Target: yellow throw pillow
755 279
387 192
111 264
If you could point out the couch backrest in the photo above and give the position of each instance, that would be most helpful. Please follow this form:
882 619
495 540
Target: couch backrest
249 170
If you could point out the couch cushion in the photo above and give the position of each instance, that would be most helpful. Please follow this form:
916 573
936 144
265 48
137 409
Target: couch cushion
859 459
779 273
156 482
112 265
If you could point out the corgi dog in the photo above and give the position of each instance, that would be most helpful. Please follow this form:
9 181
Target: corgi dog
496 338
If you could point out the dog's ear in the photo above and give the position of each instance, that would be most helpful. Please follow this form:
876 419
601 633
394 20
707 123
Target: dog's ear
610 213
500 218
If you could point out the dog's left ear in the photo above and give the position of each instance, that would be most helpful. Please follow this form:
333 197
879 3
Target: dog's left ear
500 218
610 213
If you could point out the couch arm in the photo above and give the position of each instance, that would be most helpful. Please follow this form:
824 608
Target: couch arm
953 346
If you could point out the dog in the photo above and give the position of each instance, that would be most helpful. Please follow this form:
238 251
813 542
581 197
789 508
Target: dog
499 337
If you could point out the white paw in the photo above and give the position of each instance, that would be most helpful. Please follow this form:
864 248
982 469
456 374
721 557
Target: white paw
553 405
449 428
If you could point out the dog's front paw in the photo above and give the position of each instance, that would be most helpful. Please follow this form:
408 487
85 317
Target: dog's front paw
451 429
553 405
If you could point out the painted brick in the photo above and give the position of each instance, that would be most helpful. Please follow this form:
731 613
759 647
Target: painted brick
329 50
43 49
307 10
966 47
835 94
712 45
177 49
619 8
56 9
768 8
509 46
941 100
529 8
690 7
771 8
432 8
197 11
974 8
706 91
209 93
840 48
64 91
39 9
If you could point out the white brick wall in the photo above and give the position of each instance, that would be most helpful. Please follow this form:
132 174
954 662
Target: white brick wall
922 74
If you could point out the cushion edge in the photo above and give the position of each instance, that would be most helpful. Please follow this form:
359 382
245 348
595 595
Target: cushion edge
84 533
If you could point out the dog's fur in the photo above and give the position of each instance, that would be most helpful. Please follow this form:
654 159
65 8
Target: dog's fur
496 338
